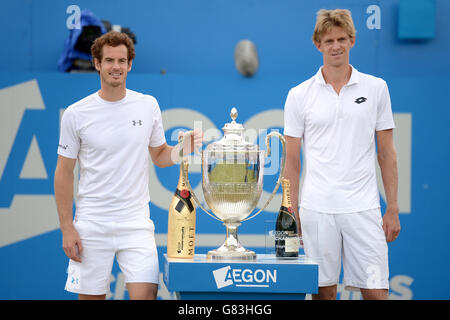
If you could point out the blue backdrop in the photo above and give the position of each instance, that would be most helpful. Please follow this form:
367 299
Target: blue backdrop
194 42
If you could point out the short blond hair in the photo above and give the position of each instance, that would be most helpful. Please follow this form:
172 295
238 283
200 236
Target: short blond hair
326 19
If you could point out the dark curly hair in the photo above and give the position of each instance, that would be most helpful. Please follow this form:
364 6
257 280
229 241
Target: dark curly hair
113 39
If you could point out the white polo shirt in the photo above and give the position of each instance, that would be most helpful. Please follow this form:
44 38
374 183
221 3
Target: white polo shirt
110 141
338 134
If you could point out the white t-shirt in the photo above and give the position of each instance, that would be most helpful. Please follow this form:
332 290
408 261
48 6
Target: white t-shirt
110 141
338 134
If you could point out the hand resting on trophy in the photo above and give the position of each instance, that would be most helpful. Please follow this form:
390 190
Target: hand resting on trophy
189 142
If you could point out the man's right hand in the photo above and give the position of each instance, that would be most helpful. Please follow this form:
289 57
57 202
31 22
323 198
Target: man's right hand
72 244
64 201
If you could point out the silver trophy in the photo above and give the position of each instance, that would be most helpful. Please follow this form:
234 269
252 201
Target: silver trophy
232 180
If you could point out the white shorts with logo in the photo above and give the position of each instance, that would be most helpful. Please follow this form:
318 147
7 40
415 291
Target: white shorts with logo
132 242
356 240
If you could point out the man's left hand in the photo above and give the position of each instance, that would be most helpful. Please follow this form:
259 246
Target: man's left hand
391 224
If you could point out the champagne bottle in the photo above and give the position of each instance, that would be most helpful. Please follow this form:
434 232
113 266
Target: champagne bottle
181 225
286 237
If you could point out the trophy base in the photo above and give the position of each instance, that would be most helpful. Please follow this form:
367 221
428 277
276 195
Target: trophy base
231 255
231 249
214 255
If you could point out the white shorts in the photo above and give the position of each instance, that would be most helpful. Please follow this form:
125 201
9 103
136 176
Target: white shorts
355 239
131 242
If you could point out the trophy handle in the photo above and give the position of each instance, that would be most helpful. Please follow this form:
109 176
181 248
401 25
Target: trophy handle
283 163
186 178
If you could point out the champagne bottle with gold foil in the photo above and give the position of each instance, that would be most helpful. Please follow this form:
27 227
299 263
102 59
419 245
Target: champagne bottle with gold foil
181 225
287 241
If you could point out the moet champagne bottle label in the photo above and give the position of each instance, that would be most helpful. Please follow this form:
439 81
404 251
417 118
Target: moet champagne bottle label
181 224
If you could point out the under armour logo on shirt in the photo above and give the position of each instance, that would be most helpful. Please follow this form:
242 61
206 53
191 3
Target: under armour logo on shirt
360 100
137 122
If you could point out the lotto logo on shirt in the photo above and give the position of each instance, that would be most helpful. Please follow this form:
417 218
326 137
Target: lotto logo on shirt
228 276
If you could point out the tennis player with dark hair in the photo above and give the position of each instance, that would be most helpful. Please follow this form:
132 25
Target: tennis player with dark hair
112 133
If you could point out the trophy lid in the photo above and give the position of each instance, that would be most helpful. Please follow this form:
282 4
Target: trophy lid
233 139
233 127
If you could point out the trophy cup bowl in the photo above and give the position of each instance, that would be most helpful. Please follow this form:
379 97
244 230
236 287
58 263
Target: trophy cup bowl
232 183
